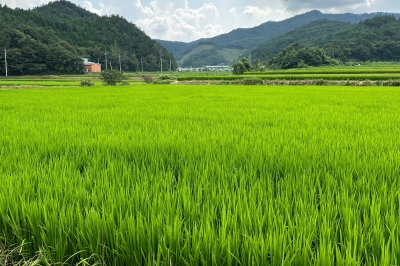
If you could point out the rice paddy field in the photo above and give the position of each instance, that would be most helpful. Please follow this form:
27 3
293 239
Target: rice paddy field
201 175
368 72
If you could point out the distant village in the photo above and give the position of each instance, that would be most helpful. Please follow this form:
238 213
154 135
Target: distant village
205 68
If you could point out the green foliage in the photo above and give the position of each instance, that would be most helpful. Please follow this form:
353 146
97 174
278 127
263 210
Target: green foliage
375 39
246 64
307 35
253 81
53 38
111 77
247 39
64 9
164 79
204 58
238 68
295 56
373 72
394 83
200 175
148 78
241 67
87 82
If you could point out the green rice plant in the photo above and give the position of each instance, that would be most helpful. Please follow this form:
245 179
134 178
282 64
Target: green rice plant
87 82
385 69
201 175
37 83
289 76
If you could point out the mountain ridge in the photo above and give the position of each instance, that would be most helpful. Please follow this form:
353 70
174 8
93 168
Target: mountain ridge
70 10
53 39
248 38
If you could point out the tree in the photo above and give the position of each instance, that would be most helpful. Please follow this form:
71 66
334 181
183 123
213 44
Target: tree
295 56
238 68
246 64
111 77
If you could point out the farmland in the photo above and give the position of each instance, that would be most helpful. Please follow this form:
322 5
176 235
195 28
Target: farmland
201 175
369 72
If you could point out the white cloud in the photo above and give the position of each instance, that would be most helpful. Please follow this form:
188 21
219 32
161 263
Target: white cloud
24 3
338 5
370 3
186 20
253 10
168 21
89 7
144 10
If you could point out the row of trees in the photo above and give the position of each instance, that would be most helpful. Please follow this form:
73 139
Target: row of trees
54 38
375 39
293 56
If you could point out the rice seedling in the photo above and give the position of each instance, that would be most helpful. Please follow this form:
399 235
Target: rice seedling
202 175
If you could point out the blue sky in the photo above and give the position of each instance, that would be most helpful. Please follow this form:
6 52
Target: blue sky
184 20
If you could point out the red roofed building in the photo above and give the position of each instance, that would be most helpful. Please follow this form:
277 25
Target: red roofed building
90 66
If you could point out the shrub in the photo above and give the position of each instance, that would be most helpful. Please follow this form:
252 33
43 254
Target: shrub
148 79
161 81
87 82
253 81
111 77
395 82
165 77
238 68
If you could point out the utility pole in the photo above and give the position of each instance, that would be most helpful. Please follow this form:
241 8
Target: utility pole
105 53
119 56
250 59
141 61
5 59
161 61
110 66
170 65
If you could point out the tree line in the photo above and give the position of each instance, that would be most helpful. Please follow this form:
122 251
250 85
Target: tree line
374 39
53 39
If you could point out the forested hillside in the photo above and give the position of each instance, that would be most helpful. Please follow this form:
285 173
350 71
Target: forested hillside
375 39
307 35
53 39
247 39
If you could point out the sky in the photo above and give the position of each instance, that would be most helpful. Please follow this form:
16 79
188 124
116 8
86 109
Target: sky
184 20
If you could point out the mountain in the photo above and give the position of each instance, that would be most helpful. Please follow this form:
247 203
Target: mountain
53 38
64 9
307 35
247 39
374 39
